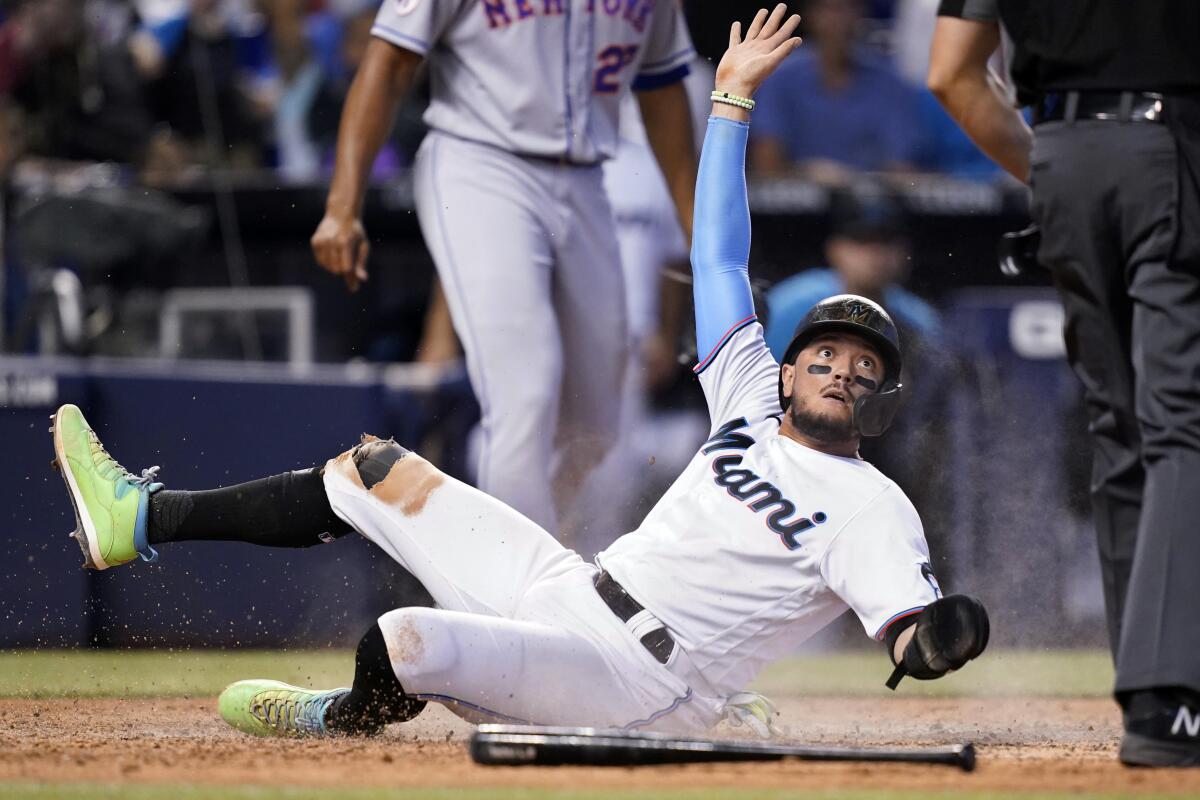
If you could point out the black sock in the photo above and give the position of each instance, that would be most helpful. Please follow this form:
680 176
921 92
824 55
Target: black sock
288 510
376 697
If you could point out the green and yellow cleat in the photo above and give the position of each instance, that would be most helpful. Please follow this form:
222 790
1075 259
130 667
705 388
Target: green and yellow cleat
272 708
111 504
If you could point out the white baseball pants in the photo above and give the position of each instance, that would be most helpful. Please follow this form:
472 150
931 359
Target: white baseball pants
521 634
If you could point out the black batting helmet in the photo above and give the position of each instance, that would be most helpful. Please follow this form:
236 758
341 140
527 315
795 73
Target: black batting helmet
866 318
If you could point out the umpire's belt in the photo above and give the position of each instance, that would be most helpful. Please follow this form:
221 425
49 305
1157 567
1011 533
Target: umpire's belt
658 641
1115 106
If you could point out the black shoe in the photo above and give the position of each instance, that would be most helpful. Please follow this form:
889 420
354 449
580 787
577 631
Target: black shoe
1162 729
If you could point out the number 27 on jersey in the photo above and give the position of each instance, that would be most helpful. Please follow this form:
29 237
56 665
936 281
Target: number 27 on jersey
612 60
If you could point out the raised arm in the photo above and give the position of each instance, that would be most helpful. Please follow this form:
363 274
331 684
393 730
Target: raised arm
721 233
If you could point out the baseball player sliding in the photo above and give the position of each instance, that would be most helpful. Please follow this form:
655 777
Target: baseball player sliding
510 197
775 528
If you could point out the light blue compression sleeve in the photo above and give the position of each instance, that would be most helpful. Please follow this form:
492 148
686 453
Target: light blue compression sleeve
721 239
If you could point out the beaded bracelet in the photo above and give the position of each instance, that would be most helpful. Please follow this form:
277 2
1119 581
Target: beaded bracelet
733 100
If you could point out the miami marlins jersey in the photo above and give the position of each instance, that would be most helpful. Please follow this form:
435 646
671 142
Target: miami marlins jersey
538 77
762 541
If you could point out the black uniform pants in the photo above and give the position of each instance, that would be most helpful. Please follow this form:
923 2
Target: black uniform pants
1117 205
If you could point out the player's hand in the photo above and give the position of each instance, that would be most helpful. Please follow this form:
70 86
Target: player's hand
749 60
949 633
753 711
340 246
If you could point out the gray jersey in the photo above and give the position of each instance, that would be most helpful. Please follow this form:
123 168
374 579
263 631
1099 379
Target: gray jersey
538 77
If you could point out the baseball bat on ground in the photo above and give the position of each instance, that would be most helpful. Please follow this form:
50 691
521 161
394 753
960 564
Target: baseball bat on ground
519 745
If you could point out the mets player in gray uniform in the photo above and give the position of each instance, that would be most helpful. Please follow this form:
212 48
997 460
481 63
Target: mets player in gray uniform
774 529
511 203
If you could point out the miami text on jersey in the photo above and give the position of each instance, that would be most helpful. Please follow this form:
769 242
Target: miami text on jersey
502 13
745 485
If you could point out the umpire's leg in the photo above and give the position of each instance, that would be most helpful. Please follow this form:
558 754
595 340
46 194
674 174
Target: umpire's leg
1076 171
1160 645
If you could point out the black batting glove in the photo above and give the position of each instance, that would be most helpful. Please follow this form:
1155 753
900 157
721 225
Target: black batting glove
950 632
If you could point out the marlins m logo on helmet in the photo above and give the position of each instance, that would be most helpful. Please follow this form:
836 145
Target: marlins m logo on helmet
873 413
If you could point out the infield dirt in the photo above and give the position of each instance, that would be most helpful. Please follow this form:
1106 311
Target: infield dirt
1025 745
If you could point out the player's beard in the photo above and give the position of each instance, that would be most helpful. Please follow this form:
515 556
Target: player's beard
819 427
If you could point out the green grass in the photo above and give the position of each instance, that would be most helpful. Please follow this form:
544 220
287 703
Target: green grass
999 673
160 673
163 673
91 791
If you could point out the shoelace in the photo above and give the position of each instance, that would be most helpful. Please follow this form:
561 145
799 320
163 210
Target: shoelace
109 467
285 712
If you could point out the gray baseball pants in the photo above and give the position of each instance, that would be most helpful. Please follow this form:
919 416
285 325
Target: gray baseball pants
1118 206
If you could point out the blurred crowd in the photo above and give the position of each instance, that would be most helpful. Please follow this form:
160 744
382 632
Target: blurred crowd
161 92
854 100
171 87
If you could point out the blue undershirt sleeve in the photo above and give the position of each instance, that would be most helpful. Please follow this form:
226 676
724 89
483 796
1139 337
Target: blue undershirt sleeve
721 237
